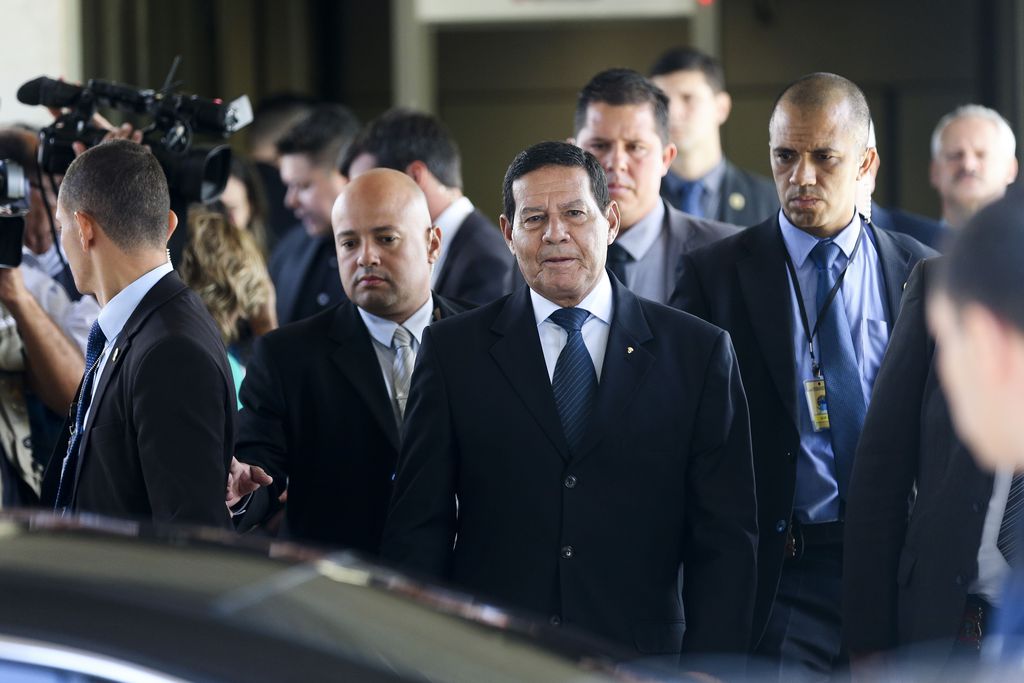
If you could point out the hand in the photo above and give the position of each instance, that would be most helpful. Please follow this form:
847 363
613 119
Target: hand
12 287
124 132
243 479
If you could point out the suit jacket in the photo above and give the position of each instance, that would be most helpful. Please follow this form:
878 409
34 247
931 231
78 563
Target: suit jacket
907 572
663 479
318 417
924 230
741 284
297 273
687 233
478 266
160 430
746 198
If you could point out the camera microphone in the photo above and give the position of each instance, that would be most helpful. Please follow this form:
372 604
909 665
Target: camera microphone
49 93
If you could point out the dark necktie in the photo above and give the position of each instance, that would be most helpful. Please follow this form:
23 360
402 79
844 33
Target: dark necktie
845 396
618 257
575 380
68 471
1009 528
693 192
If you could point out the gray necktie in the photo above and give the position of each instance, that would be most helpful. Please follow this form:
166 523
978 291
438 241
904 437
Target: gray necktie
401 370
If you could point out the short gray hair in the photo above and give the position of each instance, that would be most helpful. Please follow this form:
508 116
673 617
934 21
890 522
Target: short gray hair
977 111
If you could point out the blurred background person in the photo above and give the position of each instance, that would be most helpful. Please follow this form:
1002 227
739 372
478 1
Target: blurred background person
475 266
303 265
702 182
245 202
973 161
223 264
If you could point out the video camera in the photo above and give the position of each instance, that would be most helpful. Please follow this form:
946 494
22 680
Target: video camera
194 174
14 203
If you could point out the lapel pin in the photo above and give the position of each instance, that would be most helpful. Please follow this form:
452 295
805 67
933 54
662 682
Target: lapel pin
113 357
629 349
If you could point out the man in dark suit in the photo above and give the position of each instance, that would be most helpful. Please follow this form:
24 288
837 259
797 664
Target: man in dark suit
622 119
152 428
303 265
769 286
702 182
975 312
570 448
475 265
321 404
930 573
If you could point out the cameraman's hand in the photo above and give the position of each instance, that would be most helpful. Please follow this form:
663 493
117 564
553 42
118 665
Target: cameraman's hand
12 288
125 132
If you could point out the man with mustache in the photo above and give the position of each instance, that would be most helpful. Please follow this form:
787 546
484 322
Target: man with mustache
973 160
622 119
808 297
324 398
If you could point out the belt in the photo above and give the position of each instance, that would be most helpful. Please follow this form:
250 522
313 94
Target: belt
803 536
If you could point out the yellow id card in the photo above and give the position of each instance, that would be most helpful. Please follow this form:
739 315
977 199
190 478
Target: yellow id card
814 390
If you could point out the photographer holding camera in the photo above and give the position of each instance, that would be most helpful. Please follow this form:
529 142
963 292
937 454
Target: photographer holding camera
44 324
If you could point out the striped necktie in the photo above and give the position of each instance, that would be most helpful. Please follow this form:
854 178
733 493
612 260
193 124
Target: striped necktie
1009 529
401 369
574 382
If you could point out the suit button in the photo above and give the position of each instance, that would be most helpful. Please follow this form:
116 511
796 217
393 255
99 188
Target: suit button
780 526
566 551
959 580
975 507
790 456
555 620
570 482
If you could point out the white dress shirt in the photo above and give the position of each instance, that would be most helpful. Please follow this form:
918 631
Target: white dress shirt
382 331
450 221
595 328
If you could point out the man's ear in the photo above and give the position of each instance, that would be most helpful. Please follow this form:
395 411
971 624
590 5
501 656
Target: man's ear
723 106
614 220
418 171
506 231
87 229
172 223
870 155
433 244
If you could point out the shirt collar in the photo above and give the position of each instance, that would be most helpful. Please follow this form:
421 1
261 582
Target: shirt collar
642 235
799 243
115 314
598 303
383 330
451 218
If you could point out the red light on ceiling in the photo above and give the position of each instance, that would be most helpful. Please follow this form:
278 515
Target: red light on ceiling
705 3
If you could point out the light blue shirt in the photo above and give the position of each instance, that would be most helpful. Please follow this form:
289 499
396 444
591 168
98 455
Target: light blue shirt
863 295
647 242
115 314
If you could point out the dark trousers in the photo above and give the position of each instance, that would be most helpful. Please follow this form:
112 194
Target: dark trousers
803 639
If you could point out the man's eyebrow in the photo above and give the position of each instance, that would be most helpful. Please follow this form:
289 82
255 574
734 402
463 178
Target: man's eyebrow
533 209
572 204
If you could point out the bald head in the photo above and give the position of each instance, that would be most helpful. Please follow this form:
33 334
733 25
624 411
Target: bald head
826 91
386 245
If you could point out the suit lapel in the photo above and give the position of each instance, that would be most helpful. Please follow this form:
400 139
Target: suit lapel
896 263
456 245
357 360
288 294
766 292
517 352
626 363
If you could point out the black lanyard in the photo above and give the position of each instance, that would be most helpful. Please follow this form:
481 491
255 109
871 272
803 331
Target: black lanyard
815 368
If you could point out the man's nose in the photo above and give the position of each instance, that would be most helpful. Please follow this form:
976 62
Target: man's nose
803 173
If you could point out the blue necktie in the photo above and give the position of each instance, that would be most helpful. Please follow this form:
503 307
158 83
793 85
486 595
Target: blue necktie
618 257
845 396
575 381
693 191
66 488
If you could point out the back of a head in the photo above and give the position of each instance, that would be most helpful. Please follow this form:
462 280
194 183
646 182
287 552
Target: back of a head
822 90
983 265
121 185
224 266
323 135
401 136
619 87
690 59
554 153
19 145
273 117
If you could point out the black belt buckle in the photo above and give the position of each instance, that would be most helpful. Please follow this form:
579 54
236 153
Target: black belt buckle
794 542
